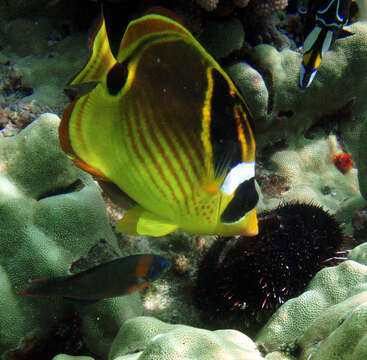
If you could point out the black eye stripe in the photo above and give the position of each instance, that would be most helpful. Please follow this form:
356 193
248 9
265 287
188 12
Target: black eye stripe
244 200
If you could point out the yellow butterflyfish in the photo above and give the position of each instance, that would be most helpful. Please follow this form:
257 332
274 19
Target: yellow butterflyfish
168 128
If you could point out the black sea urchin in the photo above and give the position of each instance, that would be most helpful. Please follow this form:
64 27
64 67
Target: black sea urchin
294 242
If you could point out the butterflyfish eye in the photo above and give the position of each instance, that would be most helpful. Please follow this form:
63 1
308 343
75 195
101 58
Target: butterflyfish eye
245 199
116 78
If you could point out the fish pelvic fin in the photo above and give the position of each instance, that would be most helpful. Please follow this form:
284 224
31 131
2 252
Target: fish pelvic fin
101 59
138 221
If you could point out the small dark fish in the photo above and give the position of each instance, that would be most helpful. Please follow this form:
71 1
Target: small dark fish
329 18
115 278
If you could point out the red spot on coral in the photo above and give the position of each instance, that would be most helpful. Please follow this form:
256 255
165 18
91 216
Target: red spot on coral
343 162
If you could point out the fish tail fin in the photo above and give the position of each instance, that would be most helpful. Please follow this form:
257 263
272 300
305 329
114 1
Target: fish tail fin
36 287
316 45
101 59
44 287
27 292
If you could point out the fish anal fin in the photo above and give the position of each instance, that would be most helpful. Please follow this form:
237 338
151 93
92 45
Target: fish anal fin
138 221
148 25
101 59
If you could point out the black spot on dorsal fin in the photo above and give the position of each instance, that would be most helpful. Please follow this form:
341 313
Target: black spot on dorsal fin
116 78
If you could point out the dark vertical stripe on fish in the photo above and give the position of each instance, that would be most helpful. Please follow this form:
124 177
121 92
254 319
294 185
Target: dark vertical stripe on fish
227 149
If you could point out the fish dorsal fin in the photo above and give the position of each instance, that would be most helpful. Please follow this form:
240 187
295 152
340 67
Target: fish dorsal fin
147 26
101 59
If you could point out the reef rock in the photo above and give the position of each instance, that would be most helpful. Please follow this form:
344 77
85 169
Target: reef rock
312 177
149 338
51 214
335 99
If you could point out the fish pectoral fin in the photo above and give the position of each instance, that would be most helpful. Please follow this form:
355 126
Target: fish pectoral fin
138 221
101 59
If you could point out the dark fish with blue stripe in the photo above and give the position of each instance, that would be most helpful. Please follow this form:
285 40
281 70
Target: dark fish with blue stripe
329 18
115 278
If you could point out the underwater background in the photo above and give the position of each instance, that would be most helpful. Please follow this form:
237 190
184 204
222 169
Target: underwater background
199 85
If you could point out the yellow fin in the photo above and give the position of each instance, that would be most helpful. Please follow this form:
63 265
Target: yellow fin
252 228
138 221
127 224
147 26
100 60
